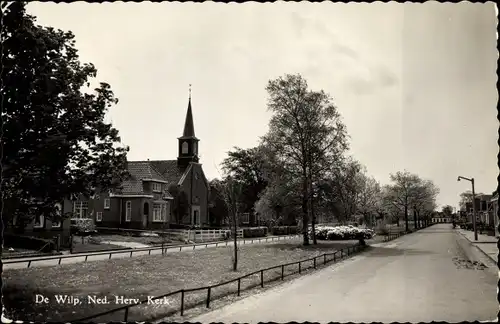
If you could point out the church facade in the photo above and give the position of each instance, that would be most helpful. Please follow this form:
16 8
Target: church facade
158 194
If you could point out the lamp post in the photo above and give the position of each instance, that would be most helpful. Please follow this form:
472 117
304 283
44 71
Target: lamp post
473 204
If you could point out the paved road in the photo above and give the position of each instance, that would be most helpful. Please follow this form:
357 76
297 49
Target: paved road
412 279
22 263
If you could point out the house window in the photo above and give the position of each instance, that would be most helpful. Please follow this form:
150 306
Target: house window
56 224
98 217
128 211
80 209
39 221
156 187
245 218
164 211
157 212
107 203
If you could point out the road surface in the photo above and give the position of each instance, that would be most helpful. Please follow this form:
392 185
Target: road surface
420 277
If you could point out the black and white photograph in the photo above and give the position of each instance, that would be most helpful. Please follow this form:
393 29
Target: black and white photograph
249 162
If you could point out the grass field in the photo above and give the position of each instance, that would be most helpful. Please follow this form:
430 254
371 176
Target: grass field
144 276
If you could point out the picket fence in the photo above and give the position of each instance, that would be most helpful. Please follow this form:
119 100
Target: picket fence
208 235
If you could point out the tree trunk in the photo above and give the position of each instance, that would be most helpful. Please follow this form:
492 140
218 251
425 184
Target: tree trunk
415 224
235 229
305 218
406 218
311 206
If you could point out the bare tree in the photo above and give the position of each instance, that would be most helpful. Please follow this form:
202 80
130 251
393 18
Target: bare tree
402 190
424 193
369 197
231 191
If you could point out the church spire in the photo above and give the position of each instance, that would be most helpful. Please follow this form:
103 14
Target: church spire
189 124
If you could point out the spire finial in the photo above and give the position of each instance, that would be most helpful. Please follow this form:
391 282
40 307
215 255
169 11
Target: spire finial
190 91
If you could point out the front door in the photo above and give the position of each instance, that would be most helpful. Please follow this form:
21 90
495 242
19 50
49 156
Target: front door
145 215
195 217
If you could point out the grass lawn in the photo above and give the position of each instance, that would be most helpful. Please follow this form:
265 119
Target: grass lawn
144 276
96 243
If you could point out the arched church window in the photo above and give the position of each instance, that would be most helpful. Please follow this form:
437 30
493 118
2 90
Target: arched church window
196 148
185 148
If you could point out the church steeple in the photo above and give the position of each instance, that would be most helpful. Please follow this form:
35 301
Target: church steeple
188 143
189 124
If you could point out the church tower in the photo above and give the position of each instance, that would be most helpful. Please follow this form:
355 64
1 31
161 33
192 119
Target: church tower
188 143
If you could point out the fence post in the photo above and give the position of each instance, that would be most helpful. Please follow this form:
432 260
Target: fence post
335 256
109 256
182 302
208 296
282 271
60 260
29 263
262 278
130 253
324 258
314 262
86 257
149 252
126 315
161 249
299 267
239 285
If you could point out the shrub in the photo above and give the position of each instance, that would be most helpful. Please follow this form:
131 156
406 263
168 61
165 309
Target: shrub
254 232
82 226
335 233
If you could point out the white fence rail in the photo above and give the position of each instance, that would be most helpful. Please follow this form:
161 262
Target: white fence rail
208 235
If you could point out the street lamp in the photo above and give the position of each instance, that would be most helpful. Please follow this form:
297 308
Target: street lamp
473 205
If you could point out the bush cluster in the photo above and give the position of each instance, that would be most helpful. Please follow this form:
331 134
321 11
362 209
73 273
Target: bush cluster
335 233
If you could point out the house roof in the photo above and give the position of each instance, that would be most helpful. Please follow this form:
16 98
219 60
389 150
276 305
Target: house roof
169 170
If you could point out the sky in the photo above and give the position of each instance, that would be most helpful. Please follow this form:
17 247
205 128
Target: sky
415 83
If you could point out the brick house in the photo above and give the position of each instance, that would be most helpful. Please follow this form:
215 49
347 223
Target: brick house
45 228
144 200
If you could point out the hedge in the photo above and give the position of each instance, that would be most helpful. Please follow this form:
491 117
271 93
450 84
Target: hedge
284 230
29 242
254 232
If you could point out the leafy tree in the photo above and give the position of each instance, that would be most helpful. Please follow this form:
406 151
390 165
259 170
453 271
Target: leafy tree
180 204
305 128
466 198
217 206
345 187
246 166
447 210
55 141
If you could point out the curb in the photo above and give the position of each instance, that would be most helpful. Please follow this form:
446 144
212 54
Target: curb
477 248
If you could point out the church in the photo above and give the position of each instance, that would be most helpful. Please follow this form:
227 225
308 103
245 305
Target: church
158 194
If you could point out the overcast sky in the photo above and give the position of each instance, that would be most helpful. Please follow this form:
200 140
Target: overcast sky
415 83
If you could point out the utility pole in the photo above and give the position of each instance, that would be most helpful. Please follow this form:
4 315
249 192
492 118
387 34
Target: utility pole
473 204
